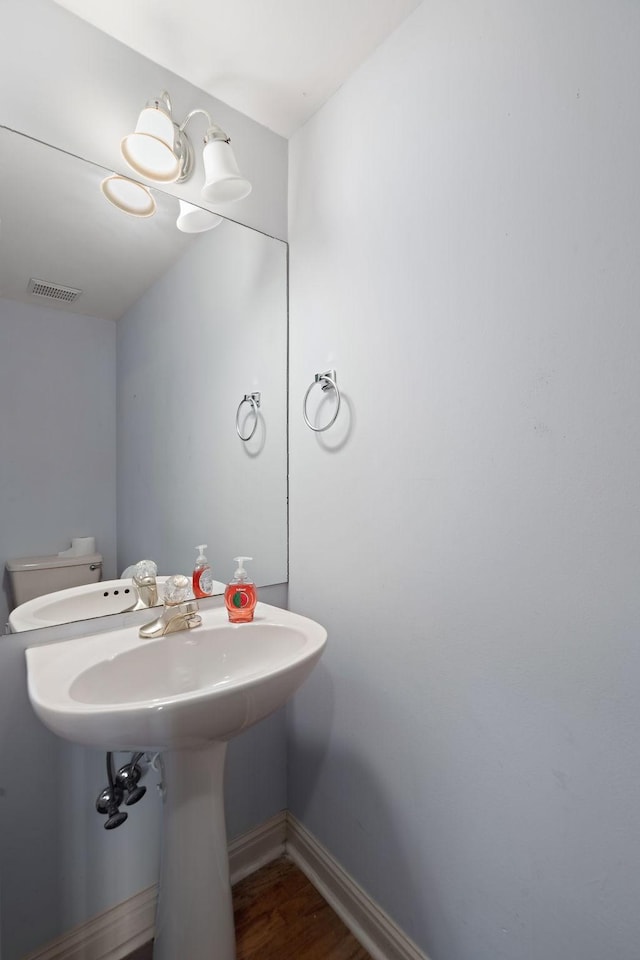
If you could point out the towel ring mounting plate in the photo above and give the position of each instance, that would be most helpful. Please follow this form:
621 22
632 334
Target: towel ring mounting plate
254 400
328 381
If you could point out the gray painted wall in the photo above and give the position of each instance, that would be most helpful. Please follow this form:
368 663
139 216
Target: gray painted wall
59 867
57 480
57 434
464 229
70 85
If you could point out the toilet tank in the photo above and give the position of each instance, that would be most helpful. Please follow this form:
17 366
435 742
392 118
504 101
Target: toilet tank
34 576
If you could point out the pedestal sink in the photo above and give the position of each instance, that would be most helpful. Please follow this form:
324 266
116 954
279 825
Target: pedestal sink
184 695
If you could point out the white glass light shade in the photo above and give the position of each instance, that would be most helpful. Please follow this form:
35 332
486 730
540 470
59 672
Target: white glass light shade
129 196
223 180
150 150
194 219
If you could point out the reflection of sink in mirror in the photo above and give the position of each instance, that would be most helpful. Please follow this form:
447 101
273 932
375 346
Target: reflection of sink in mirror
77 603
80 603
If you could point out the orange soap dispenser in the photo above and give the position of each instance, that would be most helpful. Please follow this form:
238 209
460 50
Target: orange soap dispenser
202 579
241 595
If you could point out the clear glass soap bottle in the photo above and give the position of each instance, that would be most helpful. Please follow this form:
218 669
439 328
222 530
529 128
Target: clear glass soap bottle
202 579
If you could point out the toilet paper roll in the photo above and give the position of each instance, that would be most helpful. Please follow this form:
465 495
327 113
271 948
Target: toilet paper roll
80 547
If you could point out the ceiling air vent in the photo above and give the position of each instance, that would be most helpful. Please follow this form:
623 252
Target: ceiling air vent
53 291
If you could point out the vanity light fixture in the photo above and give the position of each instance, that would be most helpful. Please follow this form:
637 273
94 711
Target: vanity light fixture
160 150
128 195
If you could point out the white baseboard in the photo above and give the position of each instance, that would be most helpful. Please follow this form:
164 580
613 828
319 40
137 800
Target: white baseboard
118 932
110 936
258 847
368 922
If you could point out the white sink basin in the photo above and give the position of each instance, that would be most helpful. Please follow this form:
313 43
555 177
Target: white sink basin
81 603
116 691
184 695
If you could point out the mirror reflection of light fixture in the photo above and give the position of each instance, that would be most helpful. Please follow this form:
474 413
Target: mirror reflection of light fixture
160 150
129 196
194 219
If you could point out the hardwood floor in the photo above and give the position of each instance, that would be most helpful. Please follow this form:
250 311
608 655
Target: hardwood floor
280 916
144 953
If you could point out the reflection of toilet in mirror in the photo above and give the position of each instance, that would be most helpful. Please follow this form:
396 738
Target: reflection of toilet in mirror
36 576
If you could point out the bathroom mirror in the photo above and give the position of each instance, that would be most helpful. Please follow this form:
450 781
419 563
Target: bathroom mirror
121 402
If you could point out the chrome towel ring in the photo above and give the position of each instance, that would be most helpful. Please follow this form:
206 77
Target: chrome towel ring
328 381
254 400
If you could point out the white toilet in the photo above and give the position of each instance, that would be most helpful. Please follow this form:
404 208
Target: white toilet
35 576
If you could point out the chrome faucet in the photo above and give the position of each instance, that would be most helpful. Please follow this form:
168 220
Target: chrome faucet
144 581
180 610
147 592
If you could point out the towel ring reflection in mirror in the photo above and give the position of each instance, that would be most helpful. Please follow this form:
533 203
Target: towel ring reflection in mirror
254 400
329 381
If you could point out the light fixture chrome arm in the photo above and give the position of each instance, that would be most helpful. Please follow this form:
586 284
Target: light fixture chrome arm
214 132
194 113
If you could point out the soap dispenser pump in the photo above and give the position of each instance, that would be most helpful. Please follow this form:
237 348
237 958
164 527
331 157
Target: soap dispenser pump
241 595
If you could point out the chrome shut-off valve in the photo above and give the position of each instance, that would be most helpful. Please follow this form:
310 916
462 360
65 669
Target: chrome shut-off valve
127 778
123 787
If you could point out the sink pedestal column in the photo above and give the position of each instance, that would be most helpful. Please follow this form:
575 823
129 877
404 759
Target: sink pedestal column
195 910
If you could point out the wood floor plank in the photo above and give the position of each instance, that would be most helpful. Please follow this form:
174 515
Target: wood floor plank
279 915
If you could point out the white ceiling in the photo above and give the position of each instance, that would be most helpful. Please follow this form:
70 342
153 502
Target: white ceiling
277 61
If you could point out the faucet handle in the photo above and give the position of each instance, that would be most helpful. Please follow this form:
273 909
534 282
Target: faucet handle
144 569
179 611
177 589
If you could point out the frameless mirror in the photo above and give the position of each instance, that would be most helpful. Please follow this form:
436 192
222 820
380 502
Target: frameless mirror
123 403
